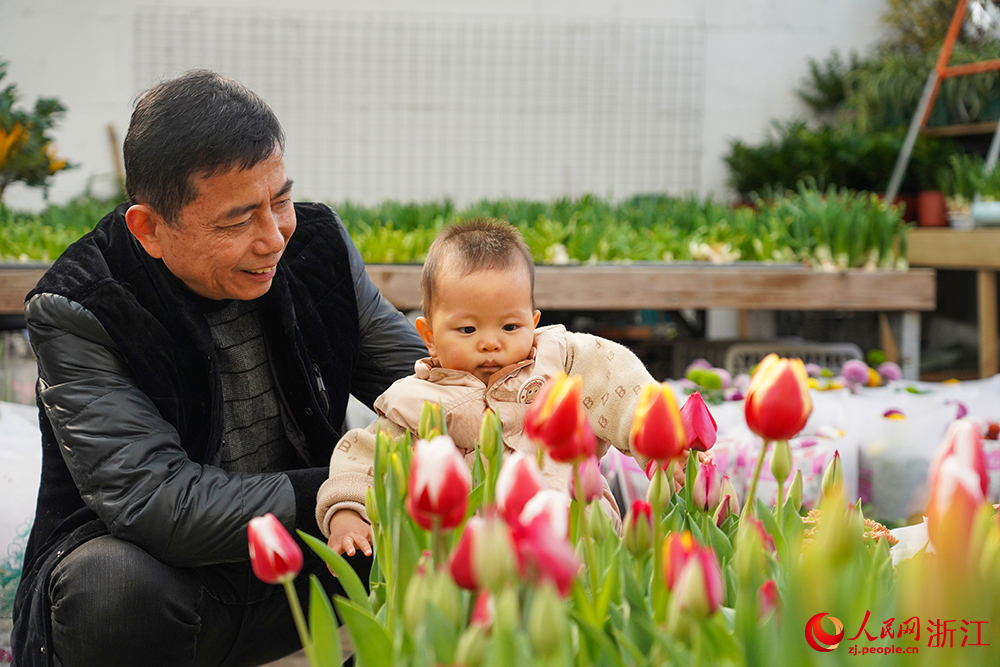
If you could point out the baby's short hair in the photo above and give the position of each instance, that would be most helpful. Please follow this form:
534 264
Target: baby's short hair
478 244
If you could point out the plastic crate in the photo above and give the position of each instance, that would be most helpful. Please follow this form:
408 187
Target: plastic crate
741 357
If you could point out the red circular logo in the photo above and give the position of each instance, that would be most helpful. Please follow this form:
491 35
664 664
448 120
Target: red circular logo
820 639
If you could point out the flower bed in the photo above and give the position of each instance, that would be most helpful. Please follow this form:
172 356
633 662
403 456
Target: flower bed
532 577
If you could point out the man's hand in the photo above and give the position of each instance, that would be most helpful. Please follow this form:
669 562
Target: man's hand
349 532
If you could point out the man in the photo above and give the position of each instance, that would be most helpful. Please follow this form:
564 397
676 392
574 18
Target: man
196 352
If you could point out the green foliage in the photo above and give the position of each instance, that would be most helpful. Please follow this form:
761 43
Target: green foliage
44 236
26 150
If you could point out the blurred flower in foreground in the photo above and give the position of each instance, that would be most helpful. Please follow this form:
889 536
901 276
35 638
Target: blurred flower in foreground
439 484
637 533
591 483
274 556
692 574
518 482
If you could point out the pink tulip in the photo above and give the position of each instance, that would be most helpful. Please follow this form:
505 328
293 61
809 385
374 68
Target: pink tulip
963 440
519 480
439 486
955 497
699 424
657 429
274 555
692 573
707 487
767 598
637 532
556 420
591 482
766 541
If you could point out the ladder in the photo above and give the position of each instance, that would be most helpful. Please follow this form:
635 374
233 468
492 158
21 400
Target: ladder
937 75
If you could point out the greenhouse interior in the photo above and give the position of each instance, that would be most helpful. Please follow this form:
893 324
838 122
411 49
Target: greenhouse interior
457 333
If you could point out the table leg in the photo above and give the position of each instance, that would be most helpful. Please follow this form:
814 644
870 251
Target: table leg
987 297
910 347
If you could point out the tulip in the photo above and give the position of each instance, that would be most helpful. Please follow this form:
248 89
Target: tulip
699 424
777 401
546 622
657 429
471 648
767 598
483 612
462 563
431 424
490 434
552 508
707 487
519 480
556 420
955 497
730 503
540 539
833 478
274 555
637 532
587 476
692 573
794 495
963 440
439 484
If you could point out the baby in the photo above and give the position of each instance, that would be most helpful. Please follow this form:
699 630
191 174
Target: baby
479 327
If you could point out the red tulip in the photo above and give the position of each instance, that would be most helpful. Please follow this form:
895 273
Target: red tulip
519 480
963 440
637 533
484 611
274 555
439 484
699 424
692 573
543 552
707 487
777 401
462 563
556 420
591 482
657 430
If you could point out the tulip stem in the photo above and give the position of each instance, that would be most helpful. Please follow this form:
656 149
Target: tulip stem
300 621
583 528
659 589
751 496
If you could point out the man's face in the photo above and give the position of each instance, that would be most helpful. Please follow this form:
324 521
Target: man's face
227 242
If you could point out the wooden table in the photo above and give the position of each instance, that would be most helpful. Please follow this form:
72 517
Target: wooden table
978 250
747 286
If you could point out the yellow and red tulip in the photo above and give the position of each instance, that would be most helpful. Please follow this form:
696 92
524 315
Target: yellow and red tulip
699 424
439 484
556 420
275 557
657 428
777 401
959 485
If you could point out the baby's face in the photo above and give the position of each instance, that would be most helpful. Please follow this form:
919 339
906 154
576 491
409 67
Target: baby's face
480 322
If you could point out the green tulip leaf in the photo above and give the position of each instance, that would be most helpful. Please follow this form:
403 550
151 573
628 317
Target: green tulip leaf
349 579
323 627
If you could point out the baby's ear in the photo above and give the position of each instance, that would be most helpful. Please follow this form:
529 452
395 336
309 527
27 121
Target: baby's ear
426 335
537 315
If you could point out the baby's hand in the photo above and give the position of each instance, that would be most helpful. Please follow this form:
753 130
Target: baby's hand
349 532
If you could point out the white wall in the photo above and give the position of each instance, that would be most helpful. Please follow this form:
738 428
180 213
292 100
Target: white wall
749 56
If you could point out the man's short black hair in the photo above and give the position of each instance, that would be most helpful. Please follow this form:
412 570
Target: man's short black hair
200 123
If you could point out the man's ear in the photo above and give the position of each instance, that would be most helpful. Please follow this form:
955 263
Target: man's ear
426 335
145 224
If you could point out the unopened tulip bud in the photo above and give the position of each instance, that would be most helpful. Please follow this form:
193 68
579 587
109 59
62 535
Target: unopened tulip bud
833 478
444 595
490 435
371 506
383 445
396 465
637 533
599 523
471 649
659 490
699 424
781 461
767 598
795 491
587 476
707 487
493 554
415 600
431 423
508 613
732 505
692 574
546 621
439 484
